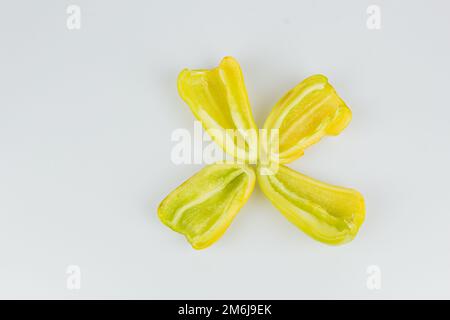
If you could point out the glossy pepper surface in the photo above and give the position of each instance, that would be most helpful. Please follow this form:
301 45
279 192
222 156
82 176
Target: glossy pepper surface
204 206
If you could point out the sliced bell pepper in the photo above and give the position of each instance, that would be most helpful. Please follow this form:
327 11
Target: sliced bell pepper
203 207
218 98
305 114
327 213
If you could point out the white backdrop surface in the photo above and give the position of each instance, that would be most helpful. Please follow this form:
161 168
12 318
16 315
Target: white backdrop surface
86 118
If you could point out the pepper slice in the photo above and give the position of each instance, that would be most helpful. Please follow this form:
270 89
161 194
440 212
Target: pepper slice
203 207
306 114
218 98
325 212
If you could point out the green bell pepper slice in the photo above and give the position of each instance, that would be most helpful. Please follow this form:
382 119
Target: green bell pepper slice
204 206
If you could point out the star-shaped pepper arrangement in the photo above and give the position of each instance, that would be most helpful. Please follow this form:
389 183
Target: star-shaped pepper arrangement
204 206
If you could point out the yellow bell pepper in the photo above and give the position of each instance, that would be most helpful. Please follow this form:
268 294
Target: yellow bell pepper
327 213
218 98
306 114
205 205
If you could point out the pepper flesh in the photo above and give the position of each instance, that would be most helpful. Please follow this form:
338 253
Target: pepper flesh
203 207
327 213
305 114
218 98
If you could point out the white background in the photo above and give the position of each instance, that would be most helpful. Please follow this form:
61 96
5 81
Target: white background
86 118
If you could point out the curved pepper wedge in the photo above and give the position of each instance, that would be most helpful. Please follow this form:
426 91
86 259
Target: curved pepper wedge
305 114
203 207
325 212
218 98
